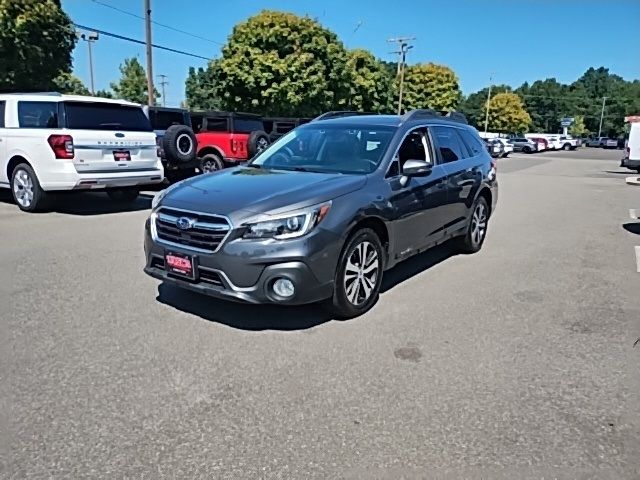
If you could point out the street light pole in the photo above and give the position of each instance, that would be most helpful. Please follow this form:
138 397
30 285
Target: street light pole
604 99
90 38
486 117
402 53
147 23
93 90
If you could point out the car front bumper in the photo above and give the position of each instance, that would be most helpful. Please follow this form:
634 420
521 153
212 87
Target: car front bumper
245 270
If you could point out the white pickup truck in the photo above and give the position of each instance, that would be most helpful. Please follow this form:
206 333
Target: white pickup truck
568 142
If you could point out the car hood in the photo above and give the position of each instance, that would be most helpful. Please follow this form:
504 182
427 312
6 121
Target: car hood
242 192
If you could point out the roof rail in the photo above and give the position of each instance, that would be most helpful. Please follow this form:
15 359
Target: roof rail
340 113
51 94
430 113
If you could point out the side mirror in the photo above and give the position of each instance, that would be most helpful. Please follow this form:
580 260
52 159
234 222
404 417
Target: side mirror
416 168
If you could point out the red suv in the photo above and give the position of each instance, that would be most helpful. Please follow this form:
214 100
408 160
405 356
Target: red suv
227 138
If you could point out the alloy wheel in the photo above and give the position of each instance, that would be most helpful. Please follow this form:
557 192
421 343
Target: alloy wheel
261 144
23 188
478 224
361 273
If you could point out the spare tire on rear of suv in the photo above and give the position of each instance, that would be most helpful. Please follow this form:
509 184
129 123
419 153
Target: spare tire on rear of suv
258 141
179 144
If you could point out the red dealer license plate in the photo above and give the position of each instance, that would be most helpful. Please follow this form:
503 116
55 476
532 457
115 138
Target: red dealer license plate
122 155
179 264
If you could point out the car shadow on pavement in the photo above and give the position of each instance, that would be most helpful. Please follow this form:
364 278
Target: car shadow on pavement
418 264
632 227
86 203
240 315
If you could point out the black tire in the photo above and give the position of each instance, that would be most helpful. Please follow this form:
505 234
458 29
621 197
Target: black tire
470 242
526 149
123 195
211 162
179 144
566 147
258 142
340 304
26 189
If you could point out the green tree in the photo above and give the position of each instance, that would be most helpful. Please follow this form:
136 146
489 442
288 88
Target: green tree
132 85
371 84
431 86
201 88
578 128
507 114
69 83
548 101
474 105
104 94
281 64
36 41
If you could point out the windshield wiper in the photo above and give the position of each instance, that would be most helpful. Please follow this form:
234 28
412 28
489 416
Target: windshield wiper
253 165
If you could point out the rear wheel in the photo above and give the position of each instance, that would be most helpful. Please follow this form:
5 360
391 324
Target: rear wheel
526 149
566 147
476 232
211 162
358 276
26 189
123 195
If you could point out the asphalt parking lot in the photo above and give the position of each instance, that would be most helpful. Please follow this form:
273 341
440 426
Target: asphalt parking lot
514 363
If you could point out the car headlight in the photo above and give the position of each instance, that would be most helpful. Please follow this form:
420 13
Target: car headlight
292 225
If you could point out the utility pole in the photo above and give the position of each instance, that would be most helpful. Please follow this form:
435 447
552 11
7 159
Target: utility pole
402 56
486 117
604 100
163 82
89 38
147 24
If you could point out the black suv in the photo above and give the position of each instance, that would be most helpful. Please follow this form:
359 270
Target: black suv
176 141
325 211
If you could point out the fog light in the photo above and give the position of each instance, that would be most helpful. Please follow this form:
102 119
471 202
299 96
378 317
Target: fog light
283 287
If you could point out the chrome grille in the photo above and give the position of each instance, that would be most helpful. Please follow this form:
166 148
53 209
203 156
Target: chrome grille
206 233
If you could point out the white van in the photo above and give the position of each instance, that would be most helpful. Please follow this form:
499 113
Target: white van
631 158
52 142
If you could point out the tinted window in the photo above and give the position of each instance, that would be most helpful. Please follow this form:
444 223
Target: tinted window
161 120
247 125
38 114
196 122
2 114
448 143
216 124
106 116
473 143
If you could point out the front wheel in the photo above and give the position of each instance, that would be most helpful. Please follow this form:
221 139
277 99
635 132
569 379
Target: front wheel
476 232
526 149
566 147
123 195
26 189
358 276
211 163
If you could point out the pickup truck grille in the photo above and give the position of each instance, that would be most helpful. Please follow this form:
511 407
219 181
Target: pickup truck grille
204 232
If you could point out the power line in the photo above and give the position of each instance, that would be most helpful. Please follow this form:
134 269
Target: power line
168 27
140 42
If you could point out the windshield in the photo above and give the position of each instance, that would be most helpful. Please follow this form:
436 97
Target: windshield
328 148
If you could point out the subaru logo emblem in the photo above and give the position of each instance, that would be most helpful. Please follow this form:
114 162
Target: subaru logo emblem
120 135
185 223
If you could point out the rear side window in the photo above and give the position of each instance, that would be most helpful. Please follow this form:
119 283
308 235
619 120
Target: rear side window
247 125
106 116
216 124
2 114
473 143
38 114
162 120
448 143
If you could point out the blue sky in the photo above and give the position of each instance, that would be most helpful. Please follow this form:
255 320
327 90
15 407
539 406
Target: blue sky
515 40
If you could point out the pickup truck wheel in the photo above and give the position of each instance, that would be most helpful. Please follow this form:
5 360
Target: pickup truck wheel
26 189
211 162
566 147
476 232
123 195
358 275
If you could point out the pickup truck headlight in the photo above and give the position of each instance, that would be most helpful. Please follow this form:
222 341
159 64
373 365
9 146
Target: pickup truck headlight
293 225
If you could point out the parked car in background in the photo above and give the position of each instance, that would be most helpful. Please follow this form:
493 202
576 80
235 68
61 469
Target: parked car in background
603 142
631 158
541 142
554 142
176 141
276 127
325 211
568 142
505 147
51 142
522 144
495 149
227 138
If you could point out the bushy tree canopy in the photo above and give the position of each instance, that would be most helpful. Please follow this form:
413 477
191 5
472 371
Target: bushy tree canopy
69 83
371 84
474 105
431 86
36 41
507 114
132 85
